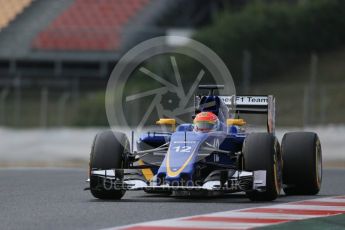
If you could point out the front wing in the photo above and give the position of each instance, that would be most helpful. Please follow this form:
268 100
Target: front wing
132 179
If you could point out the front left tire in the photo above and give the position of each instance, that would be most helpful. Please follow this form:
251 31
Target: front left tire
108 152
261 151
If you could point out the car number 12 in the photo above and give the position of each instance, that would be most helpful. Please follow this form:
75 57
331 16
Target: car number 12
183 149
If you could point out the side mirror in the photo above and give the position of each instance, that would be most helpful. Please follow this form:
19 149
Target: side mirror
239 122
167 121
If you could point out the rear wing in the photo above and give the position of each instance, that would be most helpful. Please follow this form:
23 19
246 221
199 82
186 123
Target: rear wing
253 105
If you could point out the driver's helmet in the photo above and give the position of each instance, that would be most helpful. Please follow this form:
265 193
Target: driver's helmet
206 122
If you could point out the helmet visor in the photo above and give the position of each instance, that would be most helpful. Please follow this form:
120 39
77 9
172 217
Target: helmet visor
205 126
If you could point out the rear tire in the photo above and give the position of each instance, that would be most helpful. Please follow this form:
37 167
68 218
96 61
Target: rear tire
108 152
302 163
261 151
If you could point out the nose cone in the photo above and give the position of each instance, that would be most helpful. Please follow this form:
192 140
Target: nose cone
179 161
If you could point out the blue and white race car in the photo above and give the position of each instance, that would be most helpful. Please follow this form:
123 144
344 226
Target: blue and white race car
215 154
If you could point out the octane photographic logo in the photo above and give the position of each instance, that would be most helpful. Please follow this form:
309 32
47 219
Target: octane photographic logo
111 185
156 80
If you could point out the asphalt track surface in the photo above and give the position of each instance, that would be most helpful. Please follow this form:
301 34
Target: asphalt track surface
54 199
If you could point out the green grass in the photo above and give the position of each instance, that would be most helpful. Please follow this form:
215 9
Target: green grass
329 223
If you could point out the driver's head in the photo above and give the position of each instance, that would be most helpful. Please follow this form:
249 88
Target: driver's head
206 122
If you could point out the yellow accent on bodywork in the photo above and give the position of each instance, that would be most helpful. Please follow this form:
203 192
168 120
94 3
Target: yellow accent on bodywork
176 173
238 122
167 121
147 172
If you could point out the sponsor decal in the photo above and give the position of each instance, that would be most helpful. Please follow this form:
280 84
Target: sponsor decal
245 100
251 100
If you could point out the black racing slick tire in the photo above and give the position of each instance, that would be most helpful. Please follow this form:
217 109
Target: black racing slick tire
261 151
108 152
302 163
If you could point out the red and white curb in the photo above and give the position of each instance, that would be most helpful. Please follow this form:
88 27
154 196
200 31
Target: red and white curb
251 217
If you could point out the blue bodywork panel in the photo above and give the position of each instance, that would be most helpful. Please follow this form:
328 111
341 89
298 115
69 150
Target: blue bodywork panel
182 153
152 140
184 150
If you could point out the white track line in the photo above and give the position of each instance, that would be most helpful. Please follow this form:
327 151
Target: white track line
260 215
202 224
309 207
331 199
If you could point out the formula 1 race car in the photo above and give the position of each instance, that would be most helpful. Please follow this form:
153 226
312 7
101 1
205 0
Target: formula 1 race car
215 154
